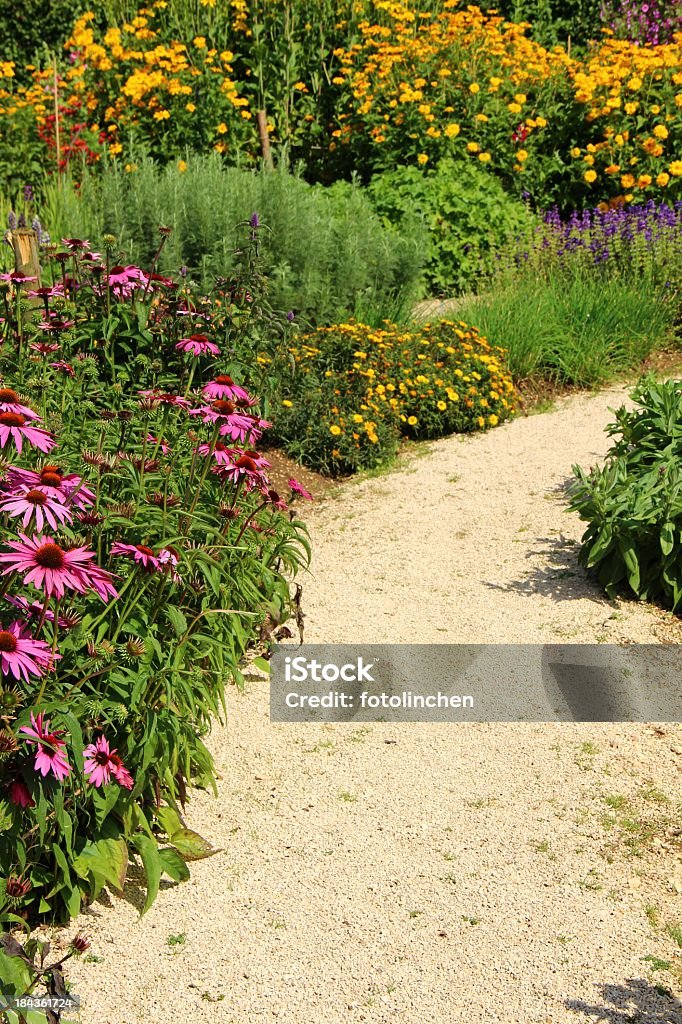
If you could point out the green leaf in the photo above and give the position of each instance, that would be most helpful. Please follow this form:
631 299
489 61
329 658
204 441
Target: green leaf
191 846
667 537
600 547
176 619
169 820
631 562
173 865
151 860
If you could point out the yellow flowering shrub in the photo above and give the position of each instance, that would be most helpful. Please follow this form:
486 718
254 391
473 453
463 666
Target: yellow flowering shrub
140 83
355 389
631 96
360 85
420 85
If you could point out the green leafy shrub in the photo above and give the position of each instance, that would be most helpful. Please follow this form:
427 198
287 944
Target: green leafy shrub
143 553
353 390
554 21
633 503
466 212
328 252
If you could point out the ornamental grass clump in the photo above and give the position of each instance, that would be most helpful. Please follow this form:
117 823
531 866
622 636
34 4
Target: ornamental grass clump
355 390
143 553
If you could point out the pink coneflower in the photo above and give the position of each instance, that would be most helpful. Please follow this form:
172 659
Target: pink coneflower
218 411
67 488
163 447
299 489
55 324
125 279
101 763
50 755
21 655
16 277
165 398
76 244
247 467
64 367
223 387
169 560
221 453
18 428
37 610
55 291
244 428
34 503
45 348
119 771
274 499
19 794
198 345
139 553
9 402
54 569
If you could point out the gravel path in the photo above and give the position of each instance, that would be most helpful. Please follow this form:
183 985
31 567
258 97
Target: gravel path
428 873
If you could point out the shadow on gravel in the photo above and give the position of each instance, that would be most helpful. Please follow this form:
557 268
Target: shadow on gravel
557 575
637 1000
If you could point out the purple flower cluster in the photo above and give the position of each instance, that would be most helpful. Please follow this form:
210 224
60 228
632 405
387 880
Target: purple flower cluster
613 233
650 24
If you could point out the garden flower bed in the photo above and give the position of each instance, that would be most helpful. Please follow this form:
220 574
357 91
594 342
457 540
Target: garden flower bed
144 553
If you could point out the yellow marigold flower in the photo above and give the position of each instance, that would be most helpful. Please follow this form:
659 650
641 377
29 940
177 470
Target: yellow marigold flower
190 107
662 179
590 176
631 108
452 130
634 84
661 132
301 86
115 148
182 166
522 156
286 403
473 147
220 147
520 97
222 128
161 115
227 56
612 169
644 180
655 109
589 160
484 157
412 420
422 159
200 42
627 181
483 118
442 406
130 168
514 108
246 114
676 168
493 420
474 88
541 122
480 421
575 152
335 430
